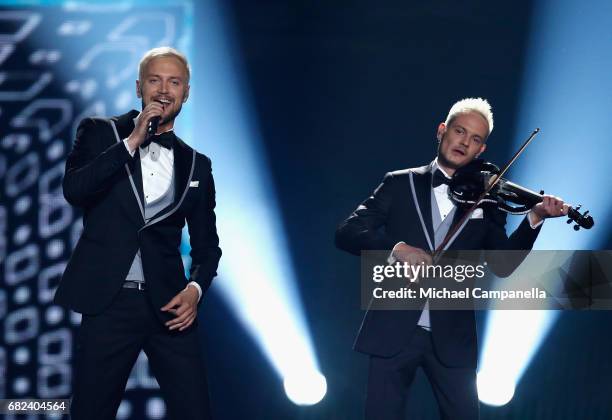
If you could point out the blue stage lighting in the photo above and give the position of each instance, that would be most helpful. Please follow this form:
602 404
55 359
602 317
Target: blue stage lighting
256 274
566 93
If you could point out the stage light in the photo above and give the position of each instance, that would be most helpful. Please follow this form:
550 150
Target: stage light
305 389
511 339
566 93
494 390
256 276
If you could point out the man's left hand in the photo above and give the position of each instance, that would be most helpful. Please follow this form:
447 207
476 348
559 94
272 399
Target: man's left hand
185 307
550 206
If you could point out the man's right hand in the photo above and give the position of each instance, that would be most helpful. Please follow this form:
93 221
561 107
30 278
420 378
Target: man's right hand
139 134
411 255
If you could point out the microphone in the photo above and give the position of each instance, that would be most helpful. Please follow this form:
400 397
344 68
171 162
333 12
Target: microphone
153 124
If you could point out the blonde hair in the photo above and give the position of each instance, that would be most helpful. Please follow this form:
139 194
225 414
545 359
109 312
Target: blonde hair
162 52
478 105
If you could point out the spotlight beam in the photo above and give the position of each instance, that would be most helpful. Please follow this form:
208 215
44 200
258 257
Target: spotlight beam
256 275
567 94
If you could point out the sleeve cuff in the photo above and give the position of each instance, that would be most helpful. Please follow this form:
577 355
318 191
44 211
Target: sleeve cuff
132 152
197 286
391 258
536 225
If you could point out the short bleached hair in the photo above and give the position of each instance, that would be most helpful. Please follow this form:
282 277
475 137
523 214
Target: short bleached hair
479 105
162 52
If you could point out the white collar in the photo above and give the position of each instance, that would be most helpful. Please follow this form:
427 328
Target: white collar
435 166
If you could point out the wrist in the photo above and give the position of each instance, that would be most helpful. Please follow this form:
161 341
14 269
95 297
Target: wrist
133 142
197 287
391 258
534 217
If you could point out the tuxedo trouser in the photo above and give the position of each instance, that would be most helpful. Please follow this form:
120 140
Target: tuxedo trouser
389 380
108 345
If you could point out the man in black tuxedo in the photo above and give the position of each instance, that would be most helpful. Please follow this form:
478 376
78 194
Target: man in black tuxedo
137 186
410 214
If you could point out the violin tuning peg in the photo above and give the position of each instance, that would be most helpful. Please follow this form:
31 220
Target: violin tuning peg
576 228
585 213
541 192
569 221
578 207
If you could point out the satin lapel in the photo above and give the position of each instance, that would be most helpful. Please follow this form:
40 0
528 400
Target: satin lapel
184 161
124 125
137 176
422 188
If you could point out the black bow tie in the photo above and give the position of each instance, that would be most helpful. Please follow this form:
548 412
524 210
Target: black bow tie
164 140
438 179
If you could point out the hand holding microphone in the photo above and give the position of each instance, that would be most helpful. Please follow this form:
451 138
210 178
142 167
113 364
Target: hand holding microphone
146 124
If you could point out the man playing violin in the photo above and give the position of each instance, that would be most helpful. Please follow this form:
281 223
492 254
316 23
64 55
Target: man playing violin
410 213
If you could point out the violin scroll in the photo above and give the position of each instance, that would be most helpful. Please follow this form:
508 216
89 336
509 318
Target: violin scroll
583 220
469 183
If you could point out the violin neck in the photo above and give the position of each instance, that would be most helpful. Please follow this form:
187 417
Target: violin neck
526 194
514 193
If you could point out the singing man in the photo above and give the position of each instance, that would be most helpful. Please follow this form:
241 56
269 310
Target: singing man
138 183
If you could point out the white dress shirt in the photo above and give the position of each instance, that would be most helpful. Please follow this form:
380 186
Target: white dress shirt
156 163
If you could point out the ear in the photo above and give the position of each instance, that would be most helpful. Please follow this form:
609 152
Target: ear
138 89
441 131
186 94
483 147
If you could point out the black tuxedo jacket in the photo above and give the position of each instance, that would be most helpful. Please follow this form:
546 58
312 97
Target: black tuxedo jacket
106 182
389 216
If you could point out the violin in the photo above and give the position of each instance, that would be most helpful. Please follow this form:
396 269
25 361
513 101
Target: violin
479 182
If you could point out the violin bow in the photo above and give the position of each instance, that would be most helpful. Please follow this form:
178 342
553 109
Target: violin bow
494 180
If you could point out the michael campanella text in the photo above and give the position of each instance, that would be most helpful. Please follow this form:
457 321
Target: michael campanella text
467 293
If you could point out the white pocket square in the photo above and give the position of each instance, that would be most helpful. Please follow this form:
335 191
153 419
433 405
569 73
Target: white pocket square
194 184
477 214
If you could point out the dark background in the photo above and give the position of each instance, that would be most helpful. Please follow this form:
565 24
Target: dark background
344 92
